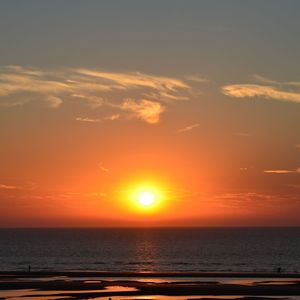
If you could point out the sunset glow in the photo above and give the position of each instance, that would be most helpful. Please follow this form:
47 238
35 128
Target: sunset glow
115 113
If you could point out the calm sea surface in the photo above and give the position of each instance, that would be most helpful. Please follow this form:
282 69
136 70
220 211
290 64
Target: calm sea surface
205 249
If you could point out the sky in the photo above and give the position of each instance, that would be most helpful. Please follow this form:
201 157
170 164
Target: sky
196 101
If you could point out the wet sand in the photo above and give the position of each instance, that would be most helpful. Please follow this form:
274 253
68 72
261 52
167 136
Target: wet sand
96 285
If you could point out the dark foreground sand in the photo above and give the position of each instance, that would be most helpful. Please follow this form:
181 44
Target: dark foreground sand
90 285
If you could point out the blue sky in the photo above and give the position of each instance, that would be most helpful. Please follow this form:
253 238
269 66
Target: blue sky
223 39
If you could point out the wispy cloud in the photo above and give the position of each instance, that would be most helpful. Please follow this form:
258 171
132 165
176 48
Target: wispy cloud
102 168
17 185
91 100
252 199
188 128
264 79
54 101
88 120
93 87
146 110
254 90
267 88
282 171
113 117
7 187
278 171
243 169
165 97
134 80
197 78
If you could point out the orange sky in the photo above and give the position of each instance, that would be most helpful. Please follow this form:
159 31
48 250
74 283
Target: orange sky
202 104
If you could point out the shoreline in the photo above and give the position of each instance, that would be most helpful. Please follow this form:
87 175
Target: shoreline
134 285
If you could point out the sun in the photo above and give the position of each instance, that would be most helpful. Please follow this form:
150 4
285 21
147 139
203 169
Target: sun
146 198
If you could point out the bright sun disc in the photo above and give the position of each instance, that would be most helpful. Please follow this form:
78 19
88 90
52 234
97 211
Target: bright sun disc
146 198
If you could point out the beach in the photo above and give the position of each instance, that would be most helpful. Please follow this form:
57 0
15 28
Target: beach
147 285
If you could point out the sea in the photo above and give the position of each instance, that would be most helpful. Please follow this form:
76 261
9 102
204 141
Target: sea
151 249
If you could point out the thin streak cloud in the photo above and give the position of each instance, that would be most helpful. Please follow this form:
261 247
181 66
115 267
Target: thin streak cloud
266 80
279 171
113 117
197 78
88 120
188 128
254 90
102 168
131 80
282 171
7 187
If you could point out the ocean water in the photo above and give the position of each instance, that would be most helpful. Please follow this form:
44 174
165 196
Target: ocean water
161 249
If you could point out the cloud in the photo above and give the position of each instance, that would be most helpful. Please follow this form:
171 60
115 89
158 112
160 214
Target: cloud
251 199
254 90
265 79
164 97
102 168
188 128
243 169
282 171
146 110
94 88
90 100
135 80
197 78
17 185
113 117
278 171
267 88
275 82
7 187
54 101
86 119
